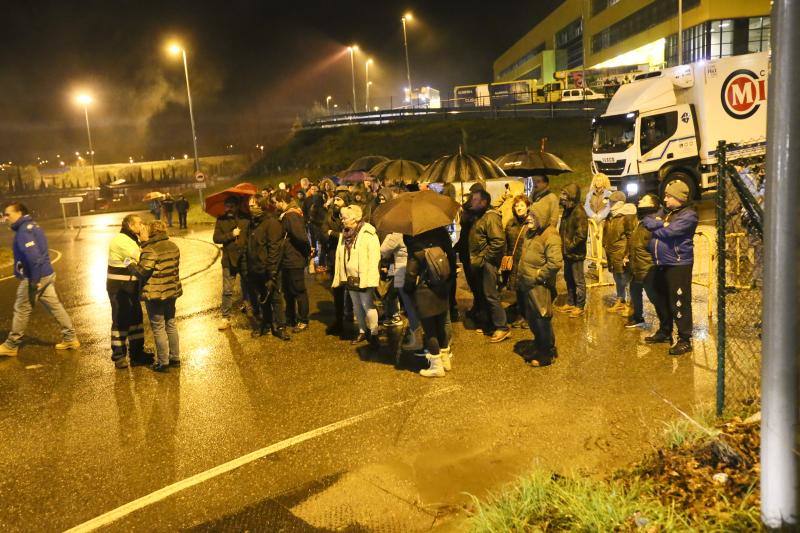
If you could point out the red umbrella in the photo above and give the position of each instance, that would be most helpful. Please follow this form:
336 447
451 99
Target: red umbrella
215 203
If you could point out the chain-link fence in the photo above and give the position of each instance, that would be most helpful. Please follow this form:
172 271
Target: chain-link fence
739 276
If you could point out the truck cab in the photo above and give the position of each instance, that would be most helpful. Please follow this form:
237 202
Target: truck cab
665 125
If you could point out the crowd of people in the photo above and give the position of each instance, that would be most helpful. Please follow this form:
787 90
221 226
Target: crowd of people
384 279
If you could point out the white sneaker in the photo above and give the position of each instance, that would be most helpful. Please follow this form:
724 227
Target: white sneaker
224 324
446 356
436 369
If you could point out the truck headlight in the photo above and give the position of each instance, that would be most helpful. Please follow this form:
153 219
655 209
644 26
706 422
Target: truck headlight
632 189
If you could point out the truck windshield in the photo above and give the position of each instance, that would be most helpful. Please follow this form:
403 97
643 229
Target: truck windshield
613 134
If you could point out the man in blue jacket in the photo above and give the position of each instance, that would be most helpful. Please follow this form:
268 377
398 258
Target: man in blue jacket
672 246
32 266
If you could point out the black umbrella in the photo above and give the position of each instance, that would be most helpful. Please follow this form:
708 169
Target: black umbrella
366 163
397 171
532 163
460 168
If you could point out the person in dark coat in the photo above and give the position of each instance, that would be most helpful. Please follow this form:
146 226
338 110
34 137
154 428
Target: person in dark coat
231 232
487 243
542 194
182 207
573 230
539 264
467 219
265 242
640 261
515 230
168 205
672 245
432 300
332 229
296 256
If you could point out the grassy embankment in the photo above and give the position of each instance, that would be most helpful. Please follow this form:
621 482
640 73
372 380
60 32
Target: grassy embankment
318 153
690 484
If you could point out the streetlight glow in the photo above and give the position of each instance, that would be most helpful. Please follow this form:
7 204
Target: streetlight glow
408 17
83 99
174 48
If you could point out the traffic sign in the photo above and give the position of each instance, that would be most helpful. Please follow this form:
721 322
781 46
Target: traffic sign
200 177
200 185
71 200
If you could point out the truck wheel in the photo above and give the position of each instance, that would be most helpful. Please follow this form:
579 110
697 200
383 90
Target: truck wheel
679 176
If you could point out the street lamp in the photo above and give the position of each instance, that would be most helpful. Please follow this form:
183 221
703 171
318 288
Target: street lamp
353 49
84 99
407 18
328 104
176 49
367 83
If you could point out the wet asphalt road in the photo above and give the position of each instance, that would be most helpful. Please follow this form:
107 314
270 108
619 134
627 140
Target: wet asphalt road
80 439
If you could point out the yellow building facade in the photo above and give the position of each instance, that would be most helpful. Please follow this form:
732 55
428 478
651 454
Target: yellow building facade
611 33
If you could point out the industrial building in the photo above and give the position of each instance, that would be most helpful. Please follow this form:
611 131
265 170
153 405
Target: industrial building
610 33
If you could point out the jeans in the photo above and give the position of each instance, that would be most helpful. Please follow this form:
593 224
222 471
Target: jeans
410 308
294 291
365 311
544 340
228 280
182 219
169 217
165 334
490 298
621 282
576 283
637 287
23 308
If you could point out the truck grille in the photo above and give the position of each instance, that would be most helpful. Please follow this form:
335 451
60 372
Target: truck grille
612 169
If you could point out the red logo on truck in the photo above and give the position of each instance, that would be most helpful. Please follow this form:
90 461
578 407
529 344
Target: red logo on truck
742 92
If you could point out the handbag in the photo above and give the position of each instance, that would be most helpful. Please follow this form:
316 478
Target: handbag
507 262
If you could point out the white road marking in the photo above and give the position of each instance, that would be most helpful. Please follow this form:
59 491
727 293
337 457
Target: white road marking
53 262
163 493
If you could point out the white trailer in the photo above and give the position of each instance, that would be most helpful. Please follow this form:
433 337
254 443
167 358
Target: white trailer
666 125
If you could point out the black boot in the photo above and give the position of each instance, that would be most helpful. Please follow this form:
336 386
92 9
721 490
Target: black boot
681 347
658 338
334 329
281 333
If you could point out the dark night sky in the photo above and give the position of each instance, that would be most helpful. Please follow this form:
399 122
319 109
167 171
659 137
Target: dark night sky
254 66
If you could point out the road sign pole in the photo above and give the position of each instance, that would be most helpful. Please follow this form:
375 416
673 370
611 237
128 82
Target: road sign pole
64 214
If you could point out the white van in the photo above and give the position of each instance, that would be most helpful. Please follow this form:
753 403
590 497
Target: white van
575 95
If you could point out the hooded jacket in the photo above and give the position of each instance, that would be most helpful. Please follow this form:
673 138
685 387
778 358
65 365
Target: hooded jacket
673 236
617 231
551 209
574 227
31 255
540 262
364 256
639 256
487 241
298 248
265 242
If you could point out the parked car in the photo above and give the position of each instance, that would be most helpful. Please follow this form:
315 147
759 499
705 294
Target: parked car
575 95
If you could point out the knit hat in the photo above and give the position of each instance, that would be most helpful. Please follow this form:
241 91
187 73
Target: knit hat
475 187
353 212
617 196
678 190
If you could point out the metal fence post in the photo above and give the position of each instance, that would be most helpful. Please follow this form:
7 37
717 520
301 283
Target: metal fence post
779 365
721 280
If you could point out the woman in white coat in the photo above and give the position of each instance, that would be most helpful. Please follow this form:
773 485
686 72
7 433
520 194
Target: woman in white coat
358 256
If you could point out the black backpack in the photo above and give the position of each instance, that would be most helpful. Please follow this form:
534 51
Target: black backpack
438 266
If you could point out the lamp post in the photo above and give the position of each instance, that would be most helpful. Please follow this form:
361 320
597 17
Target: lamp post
407 18
680 32
367 84
328 104
353 49
176 49
84 100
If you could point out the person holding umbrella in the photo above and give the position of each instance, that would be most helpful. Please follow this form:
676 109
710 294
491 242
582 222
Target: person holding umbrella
358 254
231 232
542 194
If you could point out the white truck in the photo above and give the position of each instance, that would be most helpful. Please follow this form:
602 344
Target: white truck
666 125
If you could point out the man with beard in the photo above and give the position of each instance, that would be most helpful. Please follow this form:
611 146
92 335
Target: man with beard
487 243
265 241
574 230
231 232
296 253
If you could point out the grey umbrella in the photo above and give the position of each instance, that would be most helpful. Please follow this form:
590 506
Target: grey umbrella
532 163
366 163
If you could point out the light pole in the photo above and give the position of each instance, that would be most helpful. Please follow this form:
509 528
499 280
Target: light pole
407 18
84 100
176 49
328 104
680 32
367 84
353 49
